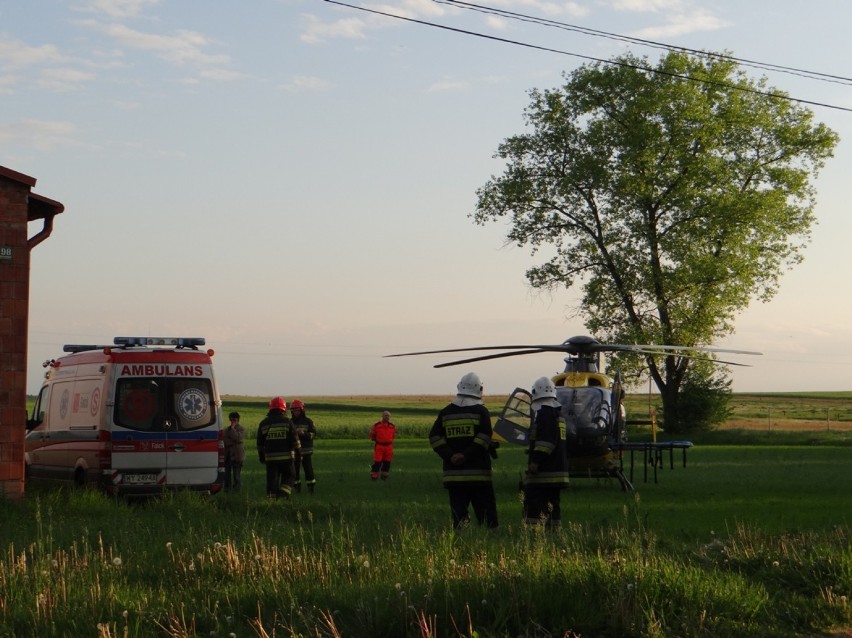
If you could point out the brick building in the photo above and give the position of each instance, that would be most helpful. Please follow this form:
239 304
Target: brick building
18 206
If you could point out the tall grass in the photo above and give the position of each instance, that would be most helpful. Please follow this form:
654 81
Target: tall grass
322 578
743 542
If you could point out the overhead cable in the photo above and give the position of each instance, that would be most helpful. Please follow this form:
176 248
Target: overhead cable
766 66
621 63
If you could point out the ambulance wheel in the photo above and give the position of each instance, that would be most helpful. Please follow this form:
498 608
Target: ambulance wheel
80 477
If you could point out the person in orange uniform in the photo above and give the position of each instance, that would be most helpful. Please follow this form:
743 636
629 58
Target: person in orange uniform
382 435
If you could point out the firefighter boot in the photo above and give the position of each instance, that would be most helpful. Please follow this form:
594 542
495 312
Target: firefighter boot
297 486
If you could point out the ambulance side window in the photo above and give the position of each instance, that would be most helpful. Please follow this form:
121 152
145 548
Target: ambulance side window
39 408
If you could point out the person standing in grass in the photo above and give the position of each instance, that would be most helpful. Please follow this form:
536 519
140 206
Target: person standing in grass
307 431
382 434
461 436
277 443
547 465
235 451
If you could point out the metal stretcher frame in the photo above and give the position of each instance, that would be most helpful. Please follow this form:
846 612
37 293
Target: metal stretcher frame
652 454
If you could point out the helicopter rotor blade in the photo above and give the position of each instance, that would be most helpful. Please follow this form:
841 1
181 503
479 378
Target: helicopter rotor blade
499 355
675 351
502 355
694 348
578 346
532 348
693 357
728 363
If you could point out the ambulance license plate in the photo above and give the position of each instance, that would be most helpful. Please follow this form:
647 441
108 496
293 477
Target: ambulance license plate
140 478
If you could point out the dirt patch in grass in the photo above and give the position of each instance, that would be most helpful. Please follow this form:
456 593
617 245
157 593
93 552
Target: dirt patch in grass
799 425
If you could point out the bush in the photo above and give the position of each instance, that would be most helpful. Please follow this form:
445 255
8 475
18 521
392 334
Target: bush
703 402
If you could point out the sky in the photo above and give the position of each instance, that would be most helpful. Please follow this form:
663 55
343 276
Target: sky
293 180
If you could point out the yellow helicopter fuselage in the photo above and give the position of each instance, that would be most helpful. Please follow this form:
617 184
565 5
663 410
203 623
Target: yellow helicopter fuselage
581 379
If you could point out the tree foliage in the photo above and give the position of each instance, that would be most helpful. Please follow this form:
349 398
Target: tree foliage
673 196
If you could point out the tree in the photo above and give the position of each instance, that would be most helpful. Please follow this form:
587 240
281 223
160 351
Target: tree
672 196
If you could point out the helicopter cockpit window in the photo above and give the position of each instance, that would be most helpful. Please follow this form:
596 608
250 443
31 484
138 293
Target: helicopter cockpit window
518 409
587 412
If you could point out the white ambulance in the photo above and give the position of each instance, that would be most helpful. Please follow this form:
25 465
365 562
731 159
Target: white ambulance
135 418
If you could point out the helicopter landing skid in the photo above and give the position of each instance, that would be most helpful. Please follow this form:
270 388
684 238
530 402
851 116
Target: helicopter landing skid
626 485
607 473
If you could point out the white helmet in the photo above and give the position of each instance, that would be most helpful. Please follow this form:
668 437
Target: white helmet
470 386
543 388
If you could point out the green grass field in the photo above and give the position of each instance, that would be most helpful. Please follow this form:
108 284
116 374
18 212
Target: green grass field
750 539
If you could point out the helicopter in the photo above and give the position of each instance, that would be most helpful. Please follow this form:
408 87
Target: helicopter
592 405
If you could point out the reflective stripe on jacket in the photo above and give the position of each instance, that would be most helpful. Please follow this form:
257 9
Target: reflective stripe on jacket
547 449
306 437
463 430
276 437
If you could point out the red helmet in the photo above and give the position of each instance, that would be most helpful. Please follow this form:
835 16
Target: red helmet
297 405
278 403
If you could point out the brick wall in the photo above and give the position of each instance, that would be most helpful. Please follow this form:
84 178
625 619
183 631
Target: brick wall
14 310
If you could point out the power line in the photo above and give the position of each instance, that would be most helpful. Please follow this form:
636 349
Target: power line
588 57
767 66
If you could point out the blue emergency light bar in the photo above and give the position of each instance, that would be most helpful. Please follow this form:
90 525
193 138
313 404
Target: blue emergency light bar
132 342
178 342
75 347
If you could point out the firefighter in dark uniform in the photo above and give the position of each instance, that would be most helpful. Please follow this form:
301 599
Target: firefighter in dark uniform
547 465
461 436
307 431
277 443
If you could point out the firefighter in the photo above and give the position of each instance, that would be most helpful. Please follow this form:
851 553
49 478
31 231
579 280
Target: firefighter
547 466
461 436
382 434
307 431
277 444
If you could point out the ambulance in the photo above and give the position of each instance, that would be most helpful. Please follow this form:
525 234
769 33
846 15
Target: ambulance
136 418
